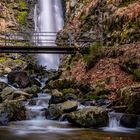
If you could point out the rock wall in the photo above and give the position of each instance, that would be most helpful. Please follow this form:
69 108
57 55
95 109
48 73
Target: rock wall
116 25
114 22
16 15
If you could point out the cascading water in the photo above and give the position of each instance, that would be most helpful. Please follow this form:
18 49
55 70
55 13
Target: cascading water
49 20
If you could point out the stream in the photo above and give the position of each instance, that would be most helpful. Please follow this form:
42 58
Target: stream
36 127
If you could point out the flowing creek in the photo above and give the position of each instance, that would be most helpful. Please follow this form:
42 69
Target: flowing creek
36 127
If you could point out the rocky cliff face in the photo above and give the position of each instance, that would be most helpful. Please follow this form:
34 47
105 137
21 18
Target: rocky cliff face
16 15
115 22
113 61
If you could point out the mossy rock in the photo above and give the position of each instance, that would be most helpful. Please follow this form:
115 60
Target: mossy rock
56 97
60 84
69 91
11 111
89 117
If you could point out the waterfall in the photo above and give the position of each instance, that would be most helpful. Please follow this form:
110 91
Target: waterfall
49 19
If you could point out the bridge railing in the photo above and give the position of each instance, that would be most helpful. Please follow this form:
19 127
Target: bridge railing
27 38
46 41
79 39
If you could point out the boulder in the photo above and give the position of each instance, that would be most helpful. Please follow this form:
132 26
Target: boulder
53 112
3 85
60 84
34 89
129 121
19 78
89 117
7 93
70 96
35 81
11 111
17 94
57 97
68 106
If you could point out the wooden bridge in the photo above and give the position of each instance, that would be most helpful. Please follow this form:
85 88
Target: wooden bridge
43 42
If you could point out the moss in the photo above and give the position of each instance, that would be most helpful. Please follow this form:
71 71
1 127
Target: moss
95 54
21 18
22 5
69 90
3 59
19 61
91 97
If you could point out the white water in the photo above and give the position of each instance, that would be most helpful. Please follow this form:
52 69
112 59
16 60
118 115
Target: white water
36 111
49 19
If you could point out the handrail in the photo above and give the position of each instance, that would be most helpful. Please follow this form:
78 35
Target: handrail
30 40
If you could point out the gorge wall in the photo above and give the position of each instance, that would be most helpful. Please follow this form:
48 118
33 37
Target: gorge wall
16 15
116 24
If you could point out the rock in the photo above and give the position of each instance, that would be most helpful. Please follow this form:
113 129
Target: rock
34 89
18 94
89 117
70 97
68 106
3 85
130 96
7 93
89 103
46 90
129 121
1 99
11 111
59 84
35 81
19 78
57 97
53 112
7 70
70 91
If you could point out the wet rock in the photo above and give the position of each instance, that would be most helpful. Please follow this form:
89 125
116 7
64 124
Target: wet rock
18 94
11 111
7 93
19 78
89 117
4 119
89 103
53 112
35 81
3 85
34 89
57 97
129 121
46 90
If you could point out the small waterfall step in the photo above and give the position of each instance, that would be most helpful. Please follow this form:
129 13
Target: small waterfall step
35 108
